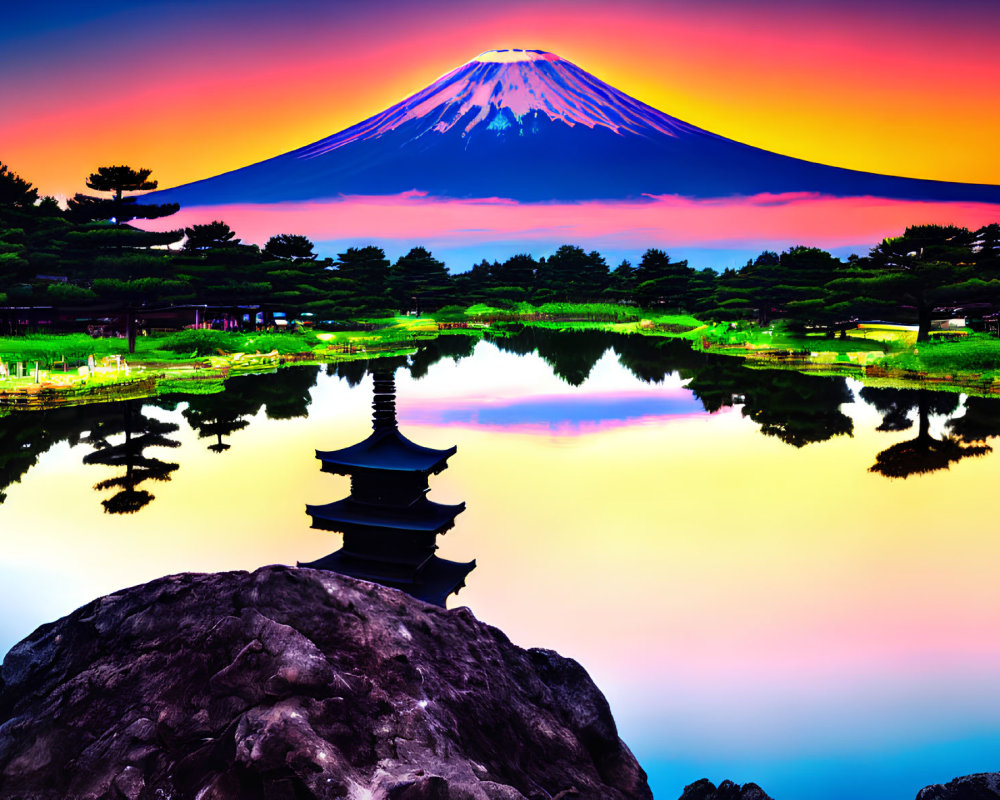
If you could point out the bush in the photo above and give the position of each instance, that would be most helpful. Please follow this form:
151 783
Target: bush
282 342
449 314
201 342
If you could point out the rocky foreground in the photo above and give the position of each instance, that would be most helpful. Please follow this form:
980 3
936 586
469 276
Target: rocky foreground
296 683
727 790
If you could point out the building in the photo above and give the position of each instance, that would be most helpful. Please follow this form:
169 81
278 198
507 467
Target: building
390 527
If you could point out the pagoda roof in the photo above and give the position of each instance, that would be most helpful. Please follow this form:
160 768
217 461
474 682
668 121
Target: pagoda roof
433 582
423 516
385 449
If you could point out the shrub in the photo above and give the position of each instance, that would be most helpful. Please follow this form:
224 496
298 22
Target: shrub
200 342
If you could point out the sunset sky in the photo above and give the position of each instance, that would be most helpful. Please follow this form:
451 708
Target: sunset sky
191 89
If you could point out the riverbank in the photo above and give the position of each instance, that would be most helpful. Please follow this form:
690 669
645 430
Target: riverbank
46 371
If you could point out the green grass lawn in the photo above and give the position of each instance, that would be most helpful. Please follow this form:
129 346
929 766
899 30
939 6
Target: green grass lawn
976 353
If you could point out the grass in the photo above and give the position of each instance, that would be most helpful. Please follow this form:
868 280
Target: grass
174 355
780 338
977 353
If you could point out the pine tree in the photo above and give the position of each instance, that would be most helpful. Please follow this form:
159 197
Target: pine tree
118 209
14 190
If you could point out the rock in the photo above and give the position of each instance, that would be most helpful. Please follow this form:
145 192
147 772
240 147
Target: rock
727 790
297 683
982 786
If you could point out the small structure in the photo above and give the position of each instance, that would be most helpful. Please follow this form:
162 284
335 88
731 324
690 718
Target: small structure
390 527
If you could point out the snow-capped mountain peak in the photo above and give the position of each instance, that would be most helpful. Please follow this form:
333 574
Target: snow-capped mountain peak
510 56
531 126
505 92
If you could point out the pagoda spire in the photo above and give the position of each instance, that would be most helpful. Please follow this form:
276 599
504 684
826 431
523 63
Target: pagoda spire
384 401
390 527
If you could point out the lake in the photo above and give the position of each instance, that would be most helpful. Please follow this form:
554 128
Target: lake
709 541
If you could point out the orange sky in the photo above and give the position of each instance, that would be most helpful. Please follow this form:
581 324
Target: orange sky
890 87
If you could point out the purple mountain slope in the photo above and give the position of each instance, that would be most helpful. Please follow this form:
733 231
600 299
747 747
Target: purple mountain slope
530 126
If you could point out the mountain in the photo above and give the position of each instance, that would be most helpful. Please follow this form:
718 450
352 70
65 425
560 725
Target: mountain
531 126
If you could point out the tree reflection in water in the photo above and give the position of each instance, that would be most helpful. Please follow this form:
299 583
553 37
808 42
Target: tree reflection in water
923 453
795 408
140 433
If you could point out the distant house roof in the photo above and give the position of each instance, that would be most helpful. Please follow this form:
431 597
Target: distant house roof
385 449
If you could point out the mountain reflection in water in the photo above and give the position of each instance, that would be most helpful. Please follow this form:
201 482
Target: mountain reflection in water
795 408
760 607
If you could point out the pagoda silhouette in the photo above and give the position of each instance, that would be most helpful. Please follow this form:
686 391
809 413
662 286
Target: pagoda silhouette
390 528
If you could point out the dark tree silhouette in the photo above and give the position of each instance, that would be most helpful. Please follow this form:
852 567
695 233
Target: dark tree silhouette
218 415
367 270
289 247
924 453
116 181
980 422
140 432
417 278
795 408
572 274
659 280
454 347
14 190
210 236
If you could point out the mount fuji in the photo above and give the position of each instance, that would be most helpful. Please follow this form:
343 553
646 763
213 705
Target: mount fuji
529 126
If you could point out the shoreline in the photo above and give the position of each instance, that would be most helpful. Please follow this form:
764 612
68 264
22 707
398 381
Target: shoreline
151 377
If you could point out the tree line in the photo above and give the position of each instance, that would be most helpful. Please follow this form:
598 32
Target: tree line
89 256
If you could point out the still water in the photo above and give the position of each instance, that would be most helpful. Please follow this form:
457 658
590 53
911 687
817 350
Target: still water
710 541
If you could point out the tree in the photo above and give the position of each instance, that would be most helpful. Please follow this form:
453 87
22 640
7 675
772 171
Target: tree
417 277
119 209
289 247
210 236
517 271
802 291
924 267
622 283
14 190
662 281
368 269
572 274
119 250
987 251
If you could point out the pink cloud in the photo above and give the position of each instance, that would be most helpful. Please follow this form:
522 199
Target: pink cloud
660 221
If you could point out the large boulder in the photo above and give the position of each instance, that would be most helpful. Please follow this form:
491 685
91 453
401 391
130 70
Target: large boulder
297 683
727 790
982 786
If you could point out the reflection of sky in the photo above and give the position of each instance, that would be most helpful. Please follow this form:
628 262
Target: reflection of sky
557 412
752 611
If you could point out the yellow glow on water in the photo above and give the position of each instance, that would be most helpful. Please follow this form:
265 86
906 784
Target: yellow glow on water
677 549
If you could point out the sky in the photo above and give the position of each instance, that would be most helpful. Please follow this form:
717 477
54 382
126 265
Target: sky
192 89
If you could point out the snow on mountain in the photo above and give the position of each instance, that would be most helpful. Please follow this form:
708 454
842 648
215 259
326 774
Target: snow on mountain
498 89
531 126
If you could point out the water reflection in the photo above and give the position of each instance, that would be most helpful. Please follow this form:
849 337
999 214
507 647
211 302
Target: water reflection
924 453
25 436
714 611
796 409
219 415
139 433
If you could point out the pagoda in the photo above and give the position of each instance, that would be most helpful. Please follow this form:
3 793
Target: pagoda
390 528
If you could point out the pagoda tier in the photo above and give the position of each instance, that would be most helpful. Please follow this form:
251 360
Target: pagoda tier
435 581
423 516
385 449
390 527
